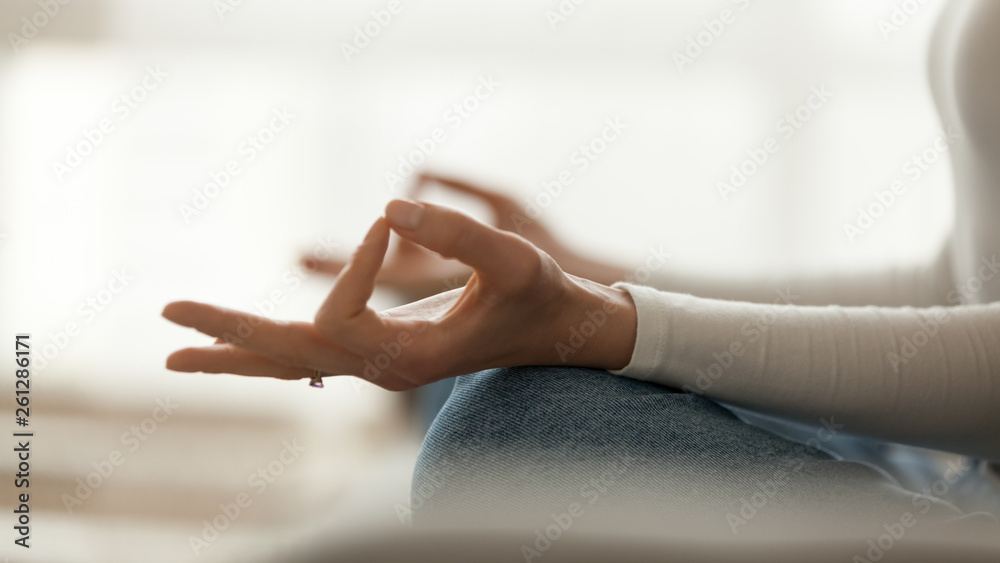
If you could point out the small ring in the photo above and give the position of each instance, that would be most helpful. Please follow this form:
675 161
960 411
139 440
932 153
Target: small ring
317 380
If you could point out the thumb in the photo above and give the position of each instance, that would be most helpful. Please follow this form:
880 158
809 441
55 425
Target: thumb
493 253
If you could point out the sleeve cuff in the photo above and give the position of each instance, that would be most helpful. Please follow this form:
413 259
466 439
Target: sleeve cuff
652 311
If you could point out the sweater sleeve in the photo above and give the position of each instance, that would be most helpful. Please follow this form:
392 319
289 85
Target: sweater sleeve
925 377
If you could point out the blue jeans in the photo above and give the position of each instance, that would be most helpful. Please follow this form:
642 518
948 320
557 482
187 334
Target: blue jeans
530 446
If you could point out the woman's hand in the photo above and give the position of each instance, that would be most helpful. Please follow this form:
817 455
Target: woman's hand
518 308
416 273
411 269
510 216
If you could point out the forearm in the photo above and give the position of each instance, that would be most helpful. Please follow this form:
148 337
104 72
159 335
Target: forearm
921 285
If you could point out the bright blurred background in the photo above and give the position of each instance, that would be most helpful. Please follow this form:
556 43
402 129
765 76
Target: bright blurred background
222 68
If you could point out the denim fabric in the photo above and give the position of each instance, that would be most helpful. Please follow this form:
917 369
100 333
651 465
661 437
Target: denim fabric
529 446
430 399
971 485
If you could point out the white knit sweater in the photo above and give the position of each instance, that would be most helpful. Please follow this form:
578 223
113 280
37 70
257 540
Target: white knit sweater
911 357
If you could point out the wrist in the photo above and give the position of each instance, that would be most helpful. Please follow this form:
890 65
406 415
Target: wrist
599 328
600 272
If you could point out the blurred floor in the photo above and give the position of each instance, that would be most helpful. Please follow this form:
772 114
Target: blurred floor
90 503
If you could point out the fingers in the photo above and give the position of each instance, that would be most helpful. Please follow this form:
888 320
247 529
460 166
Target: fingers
345 316
293 344
225 358
349 297
494 199
494 254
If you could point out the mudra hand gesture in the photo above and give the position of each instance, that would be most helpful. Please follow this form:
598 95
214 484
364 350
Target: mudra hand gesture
414 272
518 308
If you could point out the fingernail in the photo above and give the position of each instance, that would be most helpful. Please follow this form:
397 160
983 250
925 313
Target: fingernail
404 214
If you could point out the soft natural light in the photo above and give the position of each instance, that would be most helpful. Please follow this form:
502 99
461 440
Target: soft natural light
136 206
